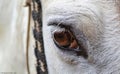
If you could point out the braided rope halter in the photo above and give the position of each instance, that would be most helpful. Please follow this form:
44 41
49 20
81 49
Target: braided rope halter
41 67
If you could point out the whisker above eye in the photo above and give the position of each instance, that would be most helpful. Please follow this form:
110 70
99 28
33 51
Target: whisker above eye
59 23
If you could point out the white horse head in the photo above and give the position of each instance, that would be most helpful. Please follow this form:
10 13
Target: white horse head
82 36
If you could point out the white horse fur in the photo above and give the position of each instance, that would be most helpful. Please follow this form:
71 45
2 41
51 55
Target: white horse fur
99 20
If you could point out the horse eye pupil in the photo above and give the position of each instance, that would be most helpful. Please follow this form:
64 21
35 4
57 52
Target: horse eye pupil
59 35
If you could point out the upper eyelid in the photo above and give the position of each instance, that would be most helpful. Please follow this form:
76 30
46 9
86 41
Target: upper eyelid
58 21
62 25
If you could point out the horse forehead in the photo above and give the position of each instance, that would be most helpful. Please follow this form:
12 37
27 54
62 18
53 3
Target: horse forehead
105 3
46 3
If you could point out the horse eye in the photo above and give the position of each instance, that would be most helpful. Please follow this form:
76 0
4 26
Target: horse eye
65 39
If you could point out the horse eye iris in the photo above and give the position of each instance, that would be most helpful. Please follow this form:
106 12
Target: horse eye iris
65 39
